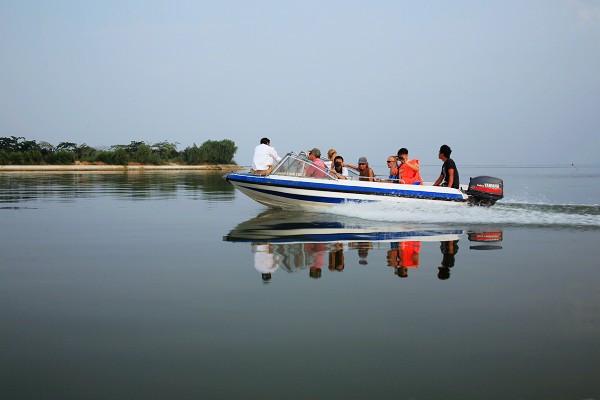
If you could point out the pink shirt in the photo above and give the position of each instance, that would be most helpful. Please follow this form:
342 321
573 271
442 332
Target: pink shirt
314 171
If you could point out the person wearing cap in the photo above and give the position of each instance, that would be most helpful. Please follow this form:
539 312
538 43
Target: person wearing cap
366 173
317 167
265 158
449 176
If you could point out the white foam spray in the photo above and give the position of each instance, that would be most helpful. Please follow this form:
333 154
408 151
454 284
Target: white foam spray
456 213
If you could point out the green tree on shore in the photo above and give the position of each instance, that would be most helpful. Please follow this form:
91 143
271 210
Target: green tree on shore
19 151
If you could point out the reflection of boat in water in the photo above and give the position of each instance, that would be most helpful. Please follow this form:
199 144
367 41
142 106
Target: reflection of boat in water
289 186
286 227
295 241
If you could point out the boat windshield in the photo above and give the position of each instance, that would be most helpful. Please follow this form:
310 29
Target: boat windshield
293 164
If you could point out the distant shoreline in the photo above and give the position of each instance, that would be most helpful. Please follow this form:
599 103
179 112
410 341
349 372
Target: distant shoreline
122 168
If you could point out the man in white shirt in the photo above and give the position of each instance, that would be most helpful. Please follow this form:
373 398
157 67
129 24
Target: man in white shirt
265 158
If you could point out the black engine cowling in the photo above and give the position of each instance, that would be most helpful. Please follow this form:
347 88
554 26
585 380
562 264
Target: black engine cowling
485 190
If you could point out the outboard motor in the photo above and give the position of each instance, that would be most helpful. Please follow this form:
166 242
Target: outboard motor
485 190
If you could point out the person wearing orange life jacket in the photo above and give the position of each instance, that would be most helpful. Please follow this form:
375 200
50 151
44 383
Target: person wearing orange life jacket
409 169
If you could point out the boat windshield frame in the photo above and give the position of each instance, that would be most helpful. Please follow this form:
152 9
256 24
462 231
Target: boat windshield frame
296 165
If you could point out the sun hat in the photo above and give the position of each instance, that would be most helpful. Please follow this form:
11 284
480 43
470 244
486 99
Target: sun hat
316 152
363 160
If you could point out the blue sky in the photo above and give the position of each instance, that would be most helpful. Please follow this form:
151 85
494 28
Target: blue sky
501 82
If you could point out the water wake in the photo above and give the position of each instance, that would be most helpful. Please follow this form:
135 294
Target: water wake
513 214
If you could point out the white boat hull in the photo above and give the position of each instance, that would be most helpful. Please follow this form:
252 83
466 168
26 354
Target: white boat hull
312 194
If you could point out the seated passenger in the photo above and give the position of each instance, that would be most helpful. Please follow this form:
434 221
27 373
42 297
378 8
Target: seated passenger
409 169
365 172
330 155
265 158
392 163
449 176
338 169
317 168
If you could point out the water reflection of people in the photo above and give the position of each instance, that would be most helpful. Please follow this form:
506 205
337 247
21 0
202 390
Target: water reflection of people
336 257
393 256
363 251
449 250
402 256
315 258
265 261
409 257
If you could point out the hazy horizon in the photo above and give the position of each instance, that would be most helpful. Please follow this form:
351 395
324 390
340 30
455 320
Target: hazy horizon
507 83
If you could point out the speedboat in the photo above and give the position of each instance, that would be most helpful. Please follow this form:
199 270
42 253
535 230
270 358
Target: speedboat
289 186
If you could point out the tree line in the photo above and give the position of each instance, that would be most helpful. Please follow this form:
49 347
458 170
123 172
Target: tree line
20 151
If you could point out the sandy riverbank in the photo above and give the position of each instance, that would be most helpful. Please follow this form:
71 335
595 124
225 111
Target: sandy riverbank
124 168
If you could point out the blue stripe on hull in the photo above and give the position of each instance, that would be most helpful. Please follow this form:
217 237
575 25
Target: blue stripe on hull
314 199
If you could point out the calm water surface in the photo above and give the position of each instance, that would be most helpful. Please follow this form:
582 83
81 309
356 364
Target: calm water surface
173 285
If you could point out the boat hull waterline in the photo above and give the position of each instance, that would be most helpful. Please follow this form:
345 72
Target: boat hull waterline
298 193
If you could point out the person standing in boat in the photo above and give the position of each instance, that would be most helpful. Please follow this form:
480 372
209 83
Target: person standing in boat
317 168
366 173
449 176
409 169
265 158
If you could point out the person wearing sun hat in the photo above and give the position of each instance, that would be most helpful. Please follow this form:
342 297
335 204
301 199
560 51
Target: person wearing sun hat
317 167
